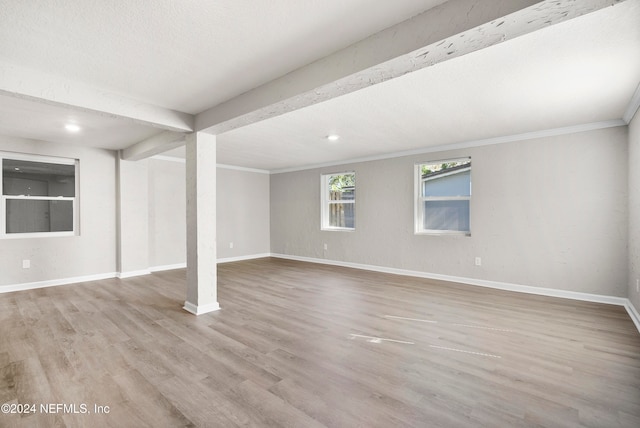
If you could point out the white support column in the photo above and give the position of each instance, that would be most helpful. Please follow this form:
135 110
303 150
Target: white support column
202 289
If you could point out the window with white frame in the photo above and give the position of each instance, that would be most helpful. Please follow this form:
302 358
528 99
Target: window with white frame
338 201
443 197
38 196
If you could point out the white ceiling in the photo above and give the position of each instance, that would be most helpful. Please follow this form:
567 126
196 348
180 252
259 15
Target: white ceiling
581 71
41 121
191 55
186 55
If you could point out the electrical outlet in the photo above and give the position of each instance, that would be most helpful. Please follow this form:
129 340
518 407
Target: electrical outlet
230 244
326 247
26 264
478 261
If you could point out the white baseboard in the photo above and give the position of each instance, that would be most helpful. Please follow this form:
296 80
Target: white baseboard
633 313
122 275
221 260
130 274
168 267
565 294
241 258
612 300
55 282
202 309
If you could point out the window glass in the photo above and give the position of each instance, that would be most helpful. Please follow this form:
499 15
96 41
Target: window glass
30 216
446 215
338 201
38 197
443 196
341 215
37 178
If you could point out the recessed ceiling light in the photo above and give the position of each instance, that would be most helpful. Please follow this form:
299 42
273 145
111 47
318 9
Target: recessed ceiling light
333 137
72 127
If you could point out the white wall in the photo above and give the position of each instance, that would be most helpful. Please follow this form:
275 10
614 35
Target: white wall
634 210
93 252
550 213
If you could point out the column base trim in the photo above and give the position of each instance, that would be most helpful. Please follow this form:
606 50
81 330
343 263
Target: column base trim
202 309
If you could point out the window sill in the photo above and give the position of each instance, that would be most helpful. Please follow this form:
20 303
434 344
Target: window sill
37 235
443 233
338 229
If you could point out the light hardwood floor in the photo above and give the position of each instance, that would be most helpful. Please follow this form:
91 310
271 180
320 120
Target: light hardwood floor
305 345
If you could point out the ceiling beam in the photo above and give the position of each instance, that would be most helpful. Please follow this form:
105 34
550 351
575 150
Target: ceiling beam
633 106
453 29
28 84
152 146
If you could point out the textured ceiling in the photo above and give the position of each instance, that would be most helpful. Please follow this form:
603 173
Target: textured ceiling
186 55
189 56
581 71
40 121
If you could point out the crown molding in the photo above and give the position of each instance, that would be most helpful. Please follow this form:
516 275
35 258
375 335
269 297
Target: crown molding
634 105
242 168
169 158
468 144
630 111
218 165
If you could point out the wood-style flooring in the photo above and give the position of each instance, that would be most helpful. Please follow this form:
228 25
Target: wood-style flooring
306 345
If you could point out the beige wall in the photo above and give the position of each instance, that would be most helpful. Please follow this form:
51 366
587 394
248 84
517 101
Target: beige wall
243 213
243 218
93 252
634 210
558 212
167 213
133 209
550 212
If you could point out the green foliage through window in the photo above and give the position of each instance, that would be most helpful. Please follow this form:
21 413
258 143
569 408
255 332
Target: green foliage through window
339 194
427 169
342 181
